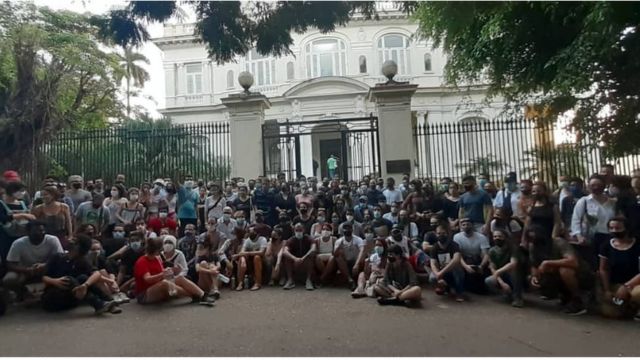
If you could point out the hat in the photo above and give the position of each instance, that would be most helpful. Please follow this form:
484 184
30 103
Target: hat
11 175
160 181
75 178
363 197
171 239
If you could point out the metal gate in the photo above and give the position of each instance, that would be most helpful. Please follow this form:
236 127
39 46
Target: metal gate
295 148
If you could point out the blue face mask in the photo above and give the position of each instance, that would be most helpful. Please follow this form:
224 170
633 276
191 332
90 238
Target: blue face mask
118 235
135 246
482 183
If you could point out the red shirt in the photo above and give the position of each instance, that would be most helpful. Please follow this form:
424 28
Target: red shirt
156 224
145 265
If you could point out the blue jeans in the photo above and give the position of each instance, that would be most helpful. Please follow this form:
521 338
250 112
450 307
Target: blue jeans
332 173
454 278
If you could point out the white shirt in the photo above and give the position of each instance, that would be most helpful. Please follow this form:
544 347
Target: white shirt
25 253
389 216
351 248
392 196
472 246
587 205
258 245
515 198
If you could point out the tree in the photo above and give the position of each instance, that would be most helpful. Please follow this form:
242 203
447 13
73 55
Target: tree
230 28
132 71
54 76
556 55
489 165
548 163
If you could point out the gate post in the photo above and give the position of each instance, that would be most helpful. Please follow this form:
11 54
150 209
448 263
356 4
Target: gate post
393 103
246 116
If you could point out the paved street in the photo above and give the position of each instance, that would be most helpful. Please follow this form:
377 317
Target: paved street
326 322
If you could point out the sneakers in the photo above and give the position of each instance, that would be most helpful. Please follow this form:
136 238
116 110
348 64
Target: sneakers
518 303
121 298
282 281
205 301
389 301
289 285
575 308
107 306
309 285
215 295
115 310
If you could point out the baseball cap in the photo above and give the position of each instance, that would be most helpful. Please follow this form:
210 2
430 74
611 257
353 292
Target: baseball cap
11 175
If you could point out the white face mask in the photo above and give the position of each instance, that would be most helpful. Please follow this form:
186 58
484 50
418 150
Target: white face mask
326 233
368 236
299 235
168 247
134 197
114 193
349 218
163 215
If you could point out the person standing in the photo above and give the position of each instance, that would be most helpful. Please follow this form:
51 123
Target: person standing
77 194
332 165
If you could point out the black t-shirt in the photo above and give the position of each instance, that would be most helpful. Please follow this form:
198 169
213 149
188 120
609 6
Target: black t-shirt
61 265
112 245
129 259
287 230
443 255
244 206
299 247
306 223
623 264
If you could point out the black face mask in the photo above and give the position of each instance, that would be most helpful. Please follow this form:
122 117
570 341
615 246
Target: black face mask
500 242
397 237
442 239
347 232
619 234
303 211
76 186
391 259
468 188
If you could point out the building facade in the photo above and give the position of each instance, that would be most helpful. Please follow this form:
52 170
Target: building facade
327 76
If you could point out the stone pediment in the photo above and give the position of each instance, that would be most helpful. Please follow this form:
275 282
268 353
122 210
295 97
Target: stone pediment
331 85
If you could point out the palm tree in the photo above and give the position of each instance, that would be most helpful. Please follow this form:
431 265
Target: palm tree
489 165
133 72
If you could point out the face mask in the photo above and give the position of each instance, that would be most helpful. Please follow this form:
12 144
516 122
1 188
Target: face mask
163 215
377 214
335 220
563 184
347 233
340 206
134 197
77 185
499 242
468 188
618 234
226 217
349 218
188 185
442 239
240 221
394 210
321 219
168 247
391 259
368 236
378 250
118 235
326 233
614 191
114 193
135 246
190 233
299 235
512 187
483 182
444 187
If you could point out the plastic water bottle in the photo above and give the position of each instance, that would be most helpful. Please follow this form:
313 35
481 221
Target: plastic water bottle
233 282
246 281
223 278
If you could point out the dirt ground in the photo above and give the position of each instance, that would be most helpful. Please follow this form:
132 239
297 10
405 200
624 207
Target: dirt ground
325 322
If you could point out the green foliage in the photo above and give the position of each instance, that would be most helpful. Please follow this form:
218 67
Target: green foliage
132 72
549 163
143 149
489 165
558 55
54 76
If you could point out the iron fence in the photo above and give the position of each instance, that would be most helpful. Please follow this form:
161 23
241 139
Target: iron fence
495 147
142 152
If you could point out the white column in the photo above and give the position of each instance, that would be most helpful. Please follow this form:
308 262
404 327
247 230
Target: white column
181 88
397 150
246 116
169 84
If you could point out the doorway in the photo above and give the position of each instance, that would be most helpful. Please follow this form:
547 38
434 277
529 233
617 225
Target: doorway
327 148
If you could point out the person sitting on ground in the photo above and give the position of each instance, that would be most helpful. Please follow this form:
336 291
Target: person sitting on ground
503 219
250 256
503 263
348 256
399 285
188 243
620 270
555 268
116 241
373 271
28 257
380 225
446 270
141 226
107 269
273 257
262 228
325 244
241 221
409 228
128 255
173 258
474 248
70 279
356 226
162 221
229 248
299 254
156 284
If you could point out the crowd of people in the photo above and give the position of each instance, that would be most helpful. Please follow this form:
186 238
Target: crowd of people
105 246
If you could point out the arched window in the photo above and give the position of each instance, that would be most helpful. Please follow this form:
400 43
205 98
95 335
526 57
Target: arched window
262 67
395 47
471 140
230 79
291 74
326 57
427 62
362 62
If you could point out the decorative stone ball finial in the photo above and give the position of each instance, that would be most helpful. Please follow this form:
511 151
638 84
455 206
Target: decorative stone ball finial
389 69
245 79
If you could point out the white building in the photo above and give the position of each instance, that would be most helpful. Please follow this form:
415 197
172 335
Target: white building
328 76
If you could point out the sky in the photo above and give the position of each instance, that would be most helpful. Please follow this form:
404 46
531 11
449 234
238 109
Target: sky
154 88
